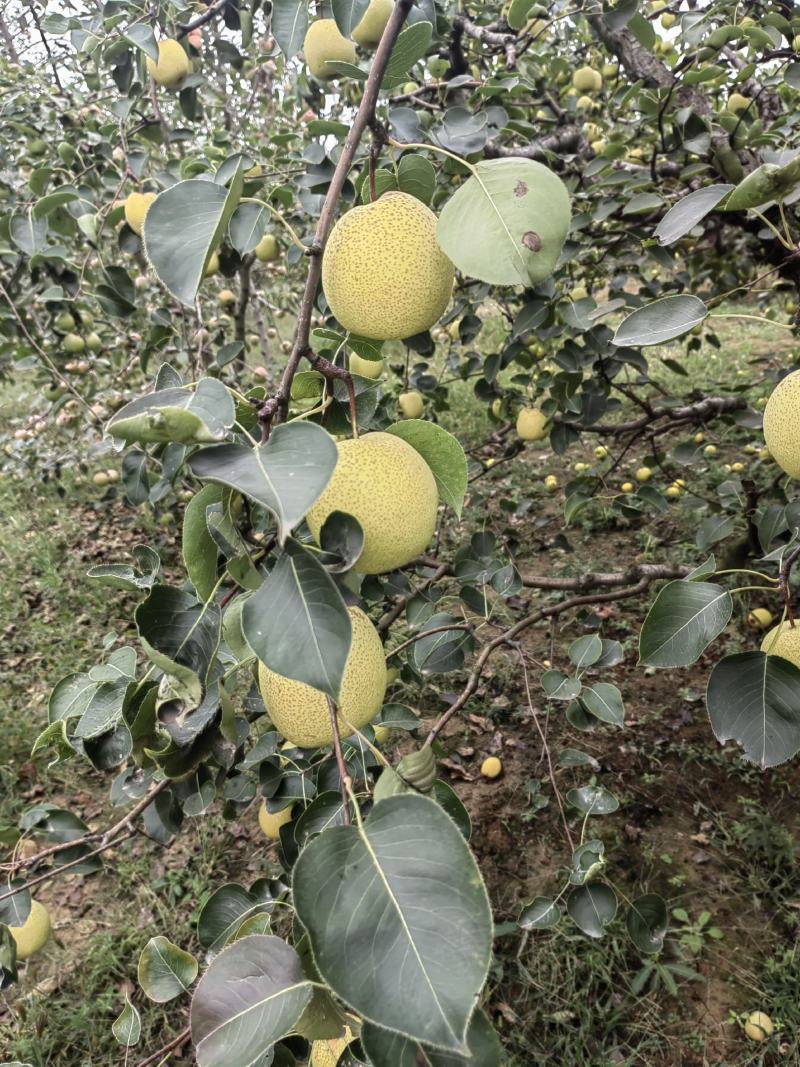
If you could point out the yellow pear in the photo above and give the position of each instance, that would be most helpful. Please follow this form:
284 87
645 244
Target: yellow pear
34 932
737 102
786 644
587 80
758 1026
367 368
267 249
759 618
373 22
383 272
136 207
782 424
212 266
411 404
301 713
491 767
532 424
173 64
386 484
272 821
326 1053
324 42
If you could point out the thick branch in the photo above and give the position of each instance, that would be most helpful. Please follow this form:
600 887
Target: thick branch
697 413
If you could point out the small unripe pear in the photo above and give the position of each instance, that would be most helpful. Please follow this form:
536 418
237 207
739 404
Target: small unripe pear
73 343
411 404
267 249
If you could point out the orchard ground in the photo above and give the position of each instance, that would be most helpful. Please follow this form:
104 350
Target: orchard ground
723 840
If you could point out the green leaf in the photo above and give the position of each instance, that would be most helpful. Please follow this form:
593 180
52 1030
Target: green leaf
648 922
165 971
443 454
289 23
593 800
443 651
517 14
683 620
127 1027
664 319
225 911
685 215
403 896
297 623
184 224
247 226
200 551
388 1049
180 635
348 14
54 200
754 699
604 701
507 223
124 576
287 474
411 45
584 651
540 914
184 416
592 908
251 996
417 177
28 233
141 36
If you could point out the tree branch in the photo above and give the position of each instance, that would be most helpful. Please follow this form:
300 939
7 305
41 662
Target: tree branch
509 636
276 407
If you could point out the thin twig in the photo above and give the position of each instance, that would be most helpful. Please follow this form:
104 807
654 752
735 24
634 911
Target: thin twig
171 1046
345 782
98 835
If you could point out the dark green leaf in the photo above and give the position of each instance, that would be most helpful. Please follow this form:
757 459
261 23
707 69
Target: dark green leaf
252 995
684 619
298 624
410 905
754 699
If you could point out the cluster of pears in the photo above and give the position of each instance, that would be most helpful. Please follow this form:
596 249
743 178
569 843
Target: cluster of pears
74 343
324 43
389 488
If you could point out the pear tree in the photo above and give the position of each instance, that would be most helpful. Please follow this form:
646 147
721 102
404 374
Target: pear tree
340 199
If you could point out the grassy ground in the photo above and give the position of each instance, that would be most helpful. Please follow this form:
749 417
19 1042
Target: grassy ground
696 824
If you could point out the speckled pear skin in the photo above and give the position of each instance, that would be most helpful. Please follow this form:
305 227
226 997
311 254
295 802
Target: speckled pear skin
390 489
301 713
324 42
384 275
782 424
787 646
